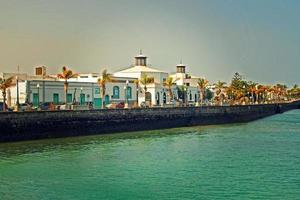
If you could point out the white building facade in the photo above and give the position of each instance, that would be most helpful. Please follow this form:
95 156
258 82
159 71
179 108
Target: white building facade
126 87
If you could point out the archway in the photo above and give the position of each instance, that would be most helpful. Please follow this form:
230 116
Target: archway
165 98
157 98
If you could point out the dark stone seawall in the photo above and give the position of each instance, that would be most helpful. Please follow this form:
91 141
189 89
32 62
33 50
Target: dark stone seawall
54 124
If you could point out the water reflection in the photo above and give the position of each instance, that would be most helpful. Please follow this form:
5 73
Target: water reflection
86 142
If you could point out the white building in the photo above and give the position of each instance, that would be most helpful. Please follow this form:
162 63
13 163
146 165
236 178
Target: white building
125 87
82 90
187 83
156 94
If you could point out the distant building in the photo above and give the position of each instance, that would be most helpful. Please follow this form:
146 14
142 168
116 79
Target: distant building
82 90
156 93
125 87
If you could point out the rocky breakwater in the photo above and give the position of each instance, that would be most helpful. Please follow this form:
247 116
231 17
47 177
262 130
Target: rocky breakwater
53 124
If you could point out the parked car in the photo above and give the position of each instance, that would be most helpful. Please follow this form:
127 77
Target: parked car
110 106
60 107
120 105
1 106
24 107
7 108
144 105
45 106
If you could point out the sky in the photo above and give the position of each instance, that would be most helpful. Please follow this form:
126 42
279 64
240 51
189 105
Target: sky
260 39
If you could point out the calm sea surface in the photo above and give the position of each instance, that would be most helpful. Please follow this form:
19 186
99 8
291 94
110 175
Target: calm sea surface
257 160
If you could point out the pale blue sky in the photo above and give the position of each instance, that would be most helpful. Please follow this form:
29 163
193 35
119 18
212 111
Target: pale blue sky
215 38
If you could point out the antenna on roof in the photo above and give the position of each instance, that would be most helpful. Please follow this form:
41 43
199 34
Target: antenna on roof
181 61
141 52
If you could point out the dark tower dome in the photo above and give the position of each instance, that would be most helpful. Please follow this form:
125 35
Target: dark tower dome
180 68
141 60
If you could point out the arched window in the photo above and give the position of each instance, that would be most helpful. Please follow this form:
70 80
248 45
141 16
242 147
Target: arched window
129 93
116 92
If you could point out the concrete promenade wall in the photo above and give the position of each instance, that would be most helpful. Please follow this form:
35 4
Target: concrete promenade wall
52 124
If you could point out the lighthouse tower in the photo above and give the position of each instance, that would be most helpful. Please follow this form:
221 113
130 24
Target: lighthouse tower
180 73
141 60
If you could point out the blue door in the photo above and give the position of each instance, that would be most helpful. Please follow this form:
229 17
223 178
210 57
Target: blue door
35 99
69 98
56 98
97 103
82 99
106 100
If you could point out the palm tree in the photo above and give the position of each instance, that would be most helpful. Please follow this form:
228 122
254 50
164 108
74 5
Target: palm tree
219 86
66 75
202 85
280 91
105 78
145 80
4 85
252 89
169 82
294 92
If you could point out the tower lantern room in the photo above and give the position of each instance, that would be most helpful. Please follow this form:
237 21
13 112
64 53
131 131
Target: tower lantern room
180 68
141 60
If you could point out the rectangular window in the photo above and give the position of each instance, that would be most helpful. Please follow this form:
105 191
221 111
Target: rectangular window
69 98
129 93
97 90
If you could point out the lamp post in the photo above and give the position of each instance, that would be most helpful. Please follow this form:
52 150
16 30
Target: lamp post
18 102
126 95
38 89
256 90
137 97
81 96
185 96
163 97
44 94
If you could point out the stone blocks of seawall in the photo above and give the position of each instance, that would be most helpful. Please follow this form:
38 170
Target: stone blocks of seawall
54 124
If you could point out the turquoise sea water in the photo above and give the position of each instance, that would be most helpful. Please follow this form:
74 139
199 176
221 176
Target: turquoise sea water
257 160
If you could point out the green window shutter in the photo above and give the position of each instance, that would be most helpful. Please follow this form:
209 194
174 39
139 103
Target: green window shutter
56 98
69 98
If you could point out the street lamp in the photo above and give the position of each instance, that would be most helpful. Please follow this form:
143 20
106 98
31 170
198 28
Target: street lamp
81 96
18 102
38 89
256 96
126 95
164 98
137 97
185 96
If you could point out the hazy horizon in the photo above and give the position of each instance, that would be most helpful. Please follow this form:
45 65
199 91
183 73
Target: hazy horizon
259 39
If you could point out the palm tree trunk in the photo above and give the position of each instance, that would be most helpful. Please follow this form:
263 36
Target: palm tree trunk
66 91
145 88
170 95
202 96
4 100
103 96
